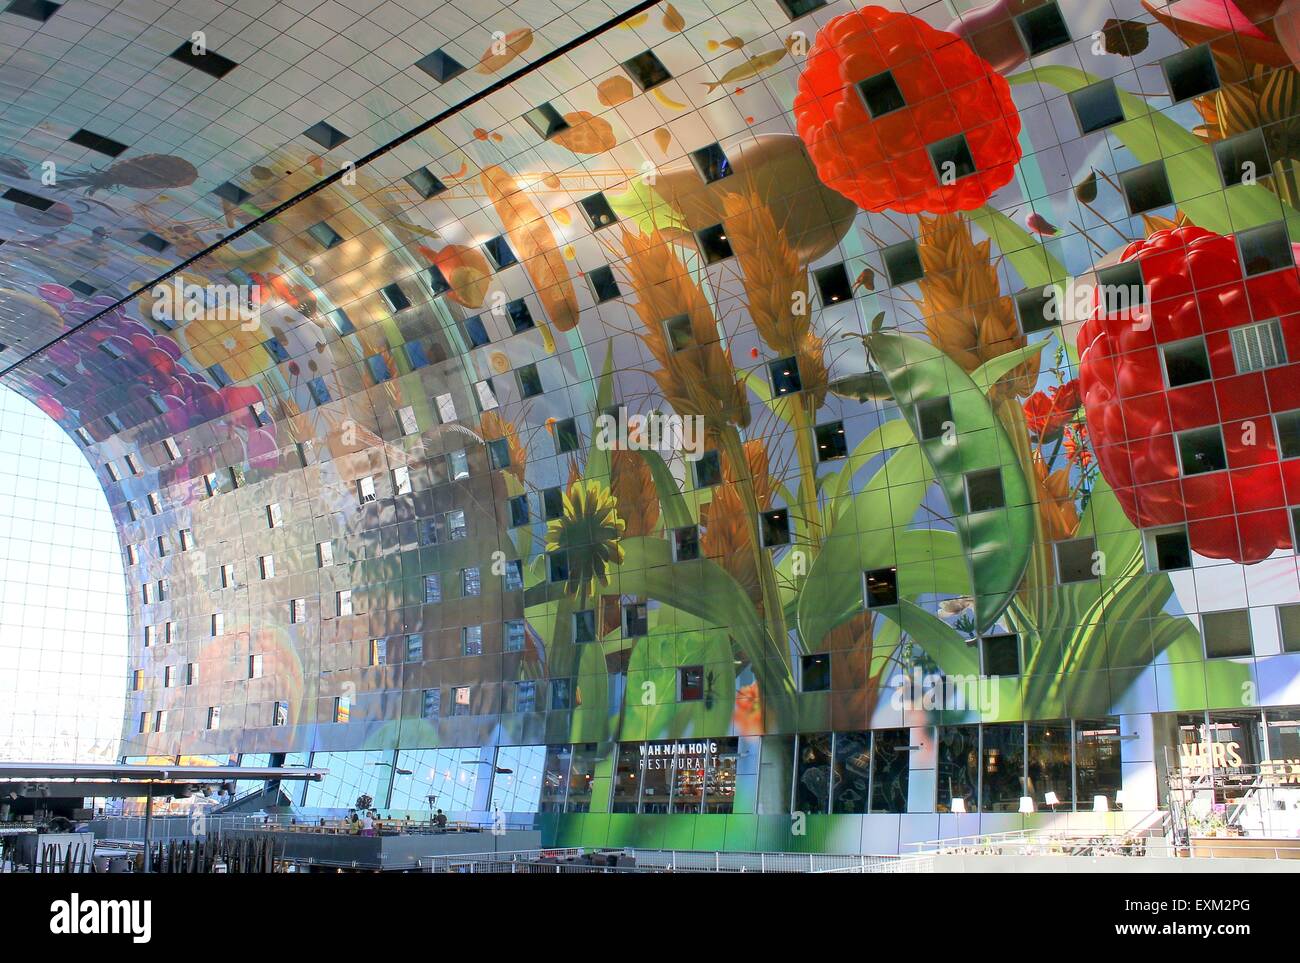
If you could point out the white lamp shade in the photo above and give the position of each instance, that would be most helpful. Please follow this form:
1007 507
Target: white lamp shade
1100 804
959 805
1051 799
1026 804
1119 797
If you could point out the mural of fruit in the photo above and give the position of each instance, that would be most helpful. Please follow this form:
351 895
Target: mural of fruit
466 270
934 101
1144 401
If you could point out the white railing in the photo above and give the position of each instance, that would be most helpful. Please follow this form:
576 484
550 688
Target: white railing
671 861
1044 842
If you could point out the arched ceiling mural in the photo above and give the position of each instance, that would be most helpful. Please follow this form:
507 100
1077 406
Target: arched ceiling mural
352 442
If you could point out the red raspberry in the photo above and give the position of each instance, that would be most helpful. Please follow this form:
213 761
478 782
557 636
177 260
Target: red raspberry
1195 288
948 90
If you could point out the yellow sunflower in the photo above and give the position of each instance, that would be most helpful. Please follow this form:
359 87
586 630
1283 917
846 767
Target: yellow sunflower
588 533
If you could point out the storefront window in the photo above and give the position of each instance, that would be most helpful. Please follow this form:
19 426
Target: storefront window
582 771
720 779
656 775
852 772
1283 734
449 776
958 771
520 790
689 773
1048 765
891 761
812 785
627 778
555 779
1003 766
1097 761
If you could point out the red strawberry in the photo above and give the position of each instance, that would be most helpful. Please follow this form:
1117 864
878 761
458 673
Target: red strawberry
1195 288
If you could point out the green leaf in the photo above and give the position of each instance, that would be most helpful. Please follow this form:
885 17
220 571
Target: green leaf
954 653
676 514
892 434
1036 265
646 208
597 465
862 538
998 542
990 372
1189 163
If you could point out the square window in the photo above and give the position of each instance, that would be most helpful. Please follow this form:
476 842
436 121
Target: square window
561 694
414 648
324 235
984 490
1097 106
952 159
1185 362
1226 634
584 626
646 70
831 441
342 709
679 332
1121 288
775 525
903 263
471 640
797 8
636 620
498 252
518 511
1258 346
438 282
1244 157
1288 617
1266 248
881 94
440 65
460 700
597 211
154 243
603 284
558 566
934 418
690 683
833 284
471 583
552 503
815 672
457 465
1043 29
475 333
1146 188
525 696
521 319
365 490
395 298
498 454
566 436
708 469
516 635
713 244
1076 559
456 529
425 183
881 587
1190 73
432 589
1000 654
229 192
1167 549
430 703
530 382
1287 425
546 120
686 543
210 62
324 134
40 10
785 376
711 163
1201 450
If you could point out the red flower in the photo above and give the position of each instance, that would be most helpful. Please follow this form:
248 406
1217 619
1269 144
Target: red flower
1195 289
1048 413
1077 451
947 89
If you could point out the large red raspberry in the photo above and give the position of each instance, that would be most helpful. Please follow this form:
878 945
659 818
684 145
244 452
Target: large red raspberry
1195 288
947 89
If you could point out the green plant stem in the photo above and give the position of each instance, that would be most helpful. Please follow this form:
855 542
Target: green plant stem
809 508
